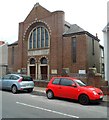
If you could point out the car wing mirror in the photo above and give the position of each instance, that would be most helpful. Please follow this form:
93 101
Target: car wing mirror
74 85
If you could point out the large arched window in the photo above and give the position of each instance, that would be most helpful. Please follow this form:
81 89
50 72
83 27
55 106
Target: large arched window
38 38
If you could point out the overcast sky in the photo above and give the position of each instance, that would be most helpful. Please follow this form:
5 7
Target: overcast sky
91 15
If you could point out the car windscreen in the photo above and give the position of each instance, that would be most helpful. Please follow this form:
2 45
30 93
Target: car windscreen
80 83
27 78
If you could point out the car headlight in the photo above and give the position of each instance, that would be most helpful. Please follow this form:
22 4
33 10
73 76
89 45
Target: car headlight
95 93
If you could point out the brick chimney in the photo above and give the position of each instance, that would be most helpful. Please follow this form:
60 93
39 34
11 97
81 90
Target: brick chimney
96 35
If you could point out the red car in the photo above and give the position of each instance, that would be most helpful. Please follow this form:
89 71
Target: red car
72 88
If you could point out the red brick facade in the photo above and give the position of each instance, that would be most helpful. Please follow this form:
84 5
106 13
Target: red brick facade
59 53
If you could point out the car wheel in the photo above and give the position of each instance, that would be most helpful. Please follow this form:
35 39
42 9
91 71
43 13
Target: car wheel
83 99
14 89
50 94
30 90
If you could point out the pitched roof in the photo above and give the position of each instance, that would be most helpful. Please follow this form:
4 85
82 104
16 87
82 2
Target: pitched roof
74 29
12 44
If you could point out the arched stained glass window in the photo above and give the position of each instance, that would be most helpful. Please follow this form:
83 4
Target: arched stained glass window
38 38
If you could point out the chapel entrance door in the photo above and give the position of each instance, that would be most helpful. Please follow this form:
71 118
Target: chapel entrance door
32 71
44 72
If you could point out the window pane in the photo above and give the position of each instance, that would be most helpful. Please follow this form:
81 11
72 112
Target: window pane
30 42
38 37
34 38
46 38
42 37
74 49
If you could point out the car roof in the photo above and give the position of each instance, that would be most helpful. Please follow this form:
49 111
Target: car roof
65 77
20 75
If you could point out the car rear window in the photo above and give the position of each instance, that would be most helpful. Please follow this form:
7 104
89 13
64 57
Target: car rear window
27 78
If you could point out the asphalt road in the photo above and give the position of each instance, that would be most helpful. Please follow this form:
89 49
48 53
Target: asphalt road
35 105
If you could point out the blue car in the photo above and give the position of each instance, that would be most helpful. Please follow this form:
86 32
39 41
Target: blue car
17 82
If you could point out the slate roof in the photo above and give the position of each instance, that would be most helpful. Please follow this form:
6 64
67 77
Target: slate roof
74 29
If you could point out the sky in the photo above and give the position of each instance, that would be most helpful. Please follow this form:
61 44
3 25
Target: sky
91 15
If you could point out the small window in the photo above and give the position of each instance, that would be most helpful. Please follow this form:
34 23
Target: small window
56 81
32 61
43 60
66 82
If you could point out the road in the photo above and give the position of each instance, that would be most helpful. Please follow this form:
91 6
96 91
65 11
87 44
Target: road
25 105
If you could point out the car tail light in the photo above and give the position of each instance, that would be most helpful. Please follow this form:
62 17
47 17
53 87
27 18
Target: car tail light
20 80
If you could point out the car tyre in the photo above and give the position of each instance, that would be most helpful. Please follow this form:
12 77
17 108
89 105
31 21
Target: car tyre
14 89
84 99
50 94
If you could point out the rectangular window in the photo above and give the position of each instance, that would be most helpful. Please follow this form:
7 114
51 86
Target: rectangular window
74 45
12 55
93 49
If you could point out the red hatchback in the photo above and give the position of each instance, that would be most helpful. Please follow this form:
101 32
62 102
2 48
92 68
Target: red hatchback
72 88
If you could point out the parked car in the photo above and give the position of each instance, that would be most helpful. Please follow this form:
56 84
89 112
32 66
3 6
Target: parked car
17 82
72 88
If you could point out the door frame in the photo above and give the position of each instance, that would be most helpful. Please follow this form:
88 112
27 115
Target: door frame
39 70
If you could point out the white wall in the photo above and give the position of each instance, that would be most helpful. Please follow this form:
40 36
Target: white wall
3 58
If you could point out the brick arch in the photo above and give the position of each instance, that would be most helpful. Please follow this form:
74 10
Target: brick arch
33 25
29 59
43 57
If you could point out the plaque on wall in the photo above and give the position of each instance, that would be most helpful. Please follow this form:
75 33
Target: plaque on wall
38 52
53 71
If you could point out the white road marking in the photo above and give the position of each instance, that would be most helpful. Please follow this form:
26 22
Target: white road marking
48 110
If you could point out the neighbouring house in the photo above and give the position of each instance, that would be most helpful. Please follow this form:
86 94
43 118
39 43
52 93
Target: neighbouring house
106 50
48 45
3 58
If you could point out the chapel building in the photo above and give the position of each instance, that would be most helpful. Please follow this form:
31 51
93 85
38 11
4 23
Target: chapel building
48 45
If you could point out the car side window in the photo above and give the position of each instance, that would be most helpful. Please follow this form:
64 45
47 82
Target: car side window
66 82
6 77
13 77
56 81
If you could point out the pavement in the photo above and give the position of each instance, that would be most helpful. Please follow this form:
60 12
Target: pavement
42 90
